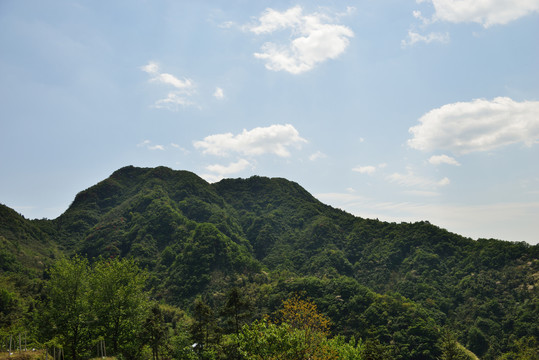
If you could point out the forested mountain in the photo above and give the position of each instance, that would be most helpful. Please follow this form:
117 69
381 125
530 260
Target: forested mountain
400 288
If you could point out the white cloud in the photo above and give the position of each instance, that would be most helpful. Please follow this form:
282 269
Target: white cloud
231 168
174 81
484 12
220 171
182 149
172 101
183 89
445 181
273 20
414 38
443 159
144 143
410 179
274 139
148 144
151 68
219 93
211 178
479 125
317 155
313 40
369 169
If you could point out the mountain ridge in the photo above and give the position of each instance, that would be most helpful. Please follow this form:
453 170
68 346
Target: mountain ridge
275 238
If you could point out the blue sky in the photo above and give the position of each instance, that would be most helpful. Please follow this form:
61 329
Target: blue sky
396 110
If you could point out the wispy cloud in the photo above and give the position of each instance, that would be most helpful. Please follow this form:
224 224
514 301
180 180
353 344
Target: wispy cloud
182 149
274 139
314 39
479 125
182 91
368 169
410 179
148 145
219 93
443 159
317 155
414 38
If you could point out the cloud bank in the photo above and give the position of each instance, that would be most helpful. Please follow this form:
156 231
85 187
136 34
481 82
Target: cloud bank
314 40
478 125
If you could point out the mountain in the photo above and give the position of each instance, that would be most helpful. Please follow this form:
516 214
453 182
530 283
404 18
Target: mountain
396 283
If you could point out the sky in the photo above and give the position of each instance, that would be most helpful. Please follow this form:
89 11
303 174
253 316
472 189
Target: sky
402 111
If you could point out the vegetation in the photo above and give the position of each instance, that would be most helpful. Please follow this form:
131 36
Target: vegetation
156 263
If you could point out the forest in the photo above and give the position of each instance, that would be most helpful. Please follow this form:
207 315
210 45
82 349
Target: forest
154 263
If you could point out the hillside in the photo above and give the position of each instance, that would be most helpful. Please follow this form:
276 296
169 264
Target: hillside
398 284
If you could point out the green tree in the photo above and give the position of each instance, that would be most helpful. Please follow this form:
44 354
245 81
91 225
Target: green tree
236 310
477 341
451 349
264 340
119 304
526 348
204 328
67 310
155 331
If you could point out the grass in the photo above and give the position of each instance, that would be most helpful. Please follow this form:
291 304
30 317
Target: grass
36 355
24 355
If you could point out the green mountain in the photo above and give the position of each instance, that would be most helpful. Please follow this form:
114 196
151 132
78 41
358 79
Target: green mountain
397 284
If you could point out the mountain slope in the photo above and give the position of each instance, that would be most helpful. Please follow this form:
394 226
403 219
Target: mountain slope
273 238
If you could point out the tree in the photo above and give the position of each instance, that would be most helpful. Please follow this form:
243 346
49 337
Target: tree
154 332
301 333
477 341
451 349
264 340
119 304
304 315
236 309
67 308
203 329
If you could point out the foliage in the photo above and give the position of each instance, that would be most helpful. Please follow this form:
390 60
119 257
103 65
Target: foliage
68 312
87 303
304 315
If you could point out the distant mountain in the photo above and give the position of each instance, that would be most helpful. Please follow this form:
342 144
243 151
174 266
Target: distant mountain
273 238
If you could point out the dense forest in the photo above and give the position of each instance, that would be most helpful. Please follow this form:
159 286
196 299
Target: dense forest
155 263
